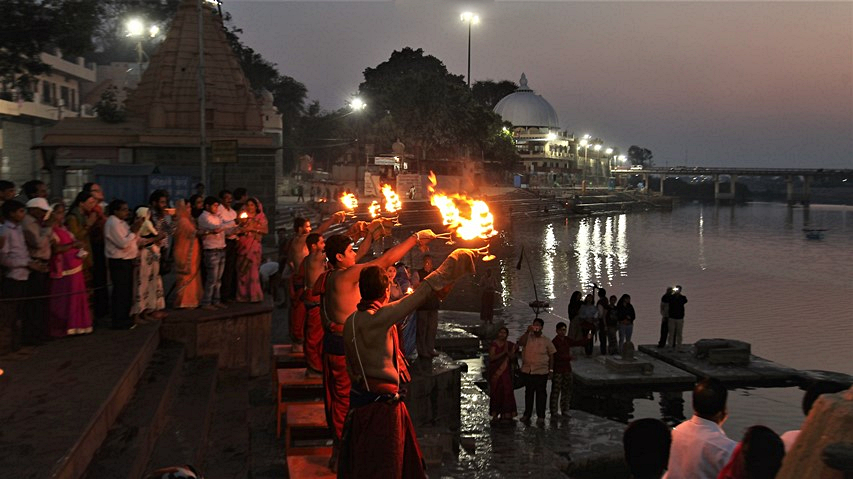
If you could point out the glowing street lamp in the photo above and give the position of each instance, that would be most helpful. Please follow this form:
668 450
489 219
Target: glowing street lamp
585 144
138 30
471 19
357 104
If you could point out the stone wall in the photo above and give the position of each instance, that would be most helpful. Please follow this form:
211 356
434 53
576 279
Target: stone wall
18 163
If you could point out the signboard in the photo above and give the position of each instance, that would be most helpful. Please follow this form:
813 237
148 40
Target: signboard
223 151
385 160
177 186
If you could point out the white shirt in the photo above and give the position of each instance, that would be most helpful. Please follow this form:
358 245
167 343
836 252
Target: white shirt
209 222
228 217
14 256
700 449
119 241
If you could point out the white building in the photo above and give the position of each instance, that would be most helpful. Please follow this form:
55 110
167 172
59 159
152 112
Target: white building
56 95
550 156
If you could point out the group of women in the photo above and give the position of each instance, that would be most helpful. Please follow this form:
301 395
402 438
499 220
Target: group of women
252 225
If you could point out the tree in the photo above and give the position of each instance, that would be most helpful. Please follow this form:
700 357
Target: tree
638 155
108 108
31 27
489 92
412 96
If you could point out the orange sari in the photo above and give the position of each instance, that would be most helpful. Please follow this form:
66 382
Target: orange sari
187 255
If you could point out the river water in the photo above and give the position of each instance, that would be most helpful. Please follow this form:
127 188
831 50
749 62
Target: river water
748 271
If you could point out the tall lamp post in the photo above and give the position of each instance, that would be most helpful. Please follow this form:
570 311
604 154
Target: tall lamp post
137 30
358 105
471 19
585 144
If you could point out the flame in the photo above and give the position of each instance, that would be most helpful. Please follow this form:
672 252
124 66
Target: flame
409 290
244 215
432 182
469 218
374 209
392 201
349 201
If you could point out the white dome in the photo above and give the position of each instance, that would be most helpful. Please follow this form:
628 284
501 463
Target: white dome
525 108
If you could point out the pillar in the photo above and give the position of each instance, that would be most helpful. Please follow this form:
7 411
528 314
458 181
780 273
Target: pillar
662 180
789 184
807 194
716 187
733 188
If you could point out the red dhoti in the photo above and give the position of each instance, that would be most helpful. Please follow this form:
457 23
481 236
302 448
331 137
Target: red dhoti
313 338
379 441
336 383
297 309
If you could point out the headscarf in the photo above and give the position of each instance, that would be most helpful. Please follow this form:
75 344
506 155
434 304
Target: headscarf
147 228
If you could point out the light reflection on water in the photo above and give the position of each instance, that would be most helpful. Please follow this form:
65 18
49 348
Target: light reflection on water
748 271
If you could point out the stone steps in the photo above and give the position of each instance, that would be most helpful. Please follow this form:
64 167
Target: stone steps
228 443
128 445
184 439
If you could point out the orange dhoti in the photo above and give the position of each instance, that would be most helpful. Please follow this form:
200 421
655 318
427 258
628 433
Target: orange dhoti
336 383
379 440
313 337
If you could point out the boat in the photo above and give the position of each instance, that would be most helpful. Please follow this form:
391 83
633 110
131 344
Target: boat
814 233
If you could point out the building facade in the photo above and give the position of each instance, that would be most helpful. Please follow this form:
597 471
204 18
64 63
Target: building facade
56 95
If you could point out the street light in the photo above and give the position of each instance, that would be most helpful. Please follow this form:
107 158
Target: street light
137 29
471 19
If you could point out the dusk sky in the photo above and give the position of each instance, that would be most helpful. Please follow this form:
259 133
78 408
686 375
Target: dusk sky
758 84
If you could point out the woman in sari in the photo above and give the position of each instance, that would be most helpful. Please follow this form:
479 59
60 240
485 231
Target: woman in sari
187 255
253 226
69 302
502 398
149 299
81 218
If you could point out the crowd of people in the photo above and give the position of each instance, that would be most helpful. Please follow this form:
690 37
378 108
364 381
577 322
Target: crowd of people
66 266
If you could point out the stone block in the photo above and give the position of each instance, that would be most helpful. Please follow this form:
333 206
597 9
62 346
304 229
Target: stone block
723 351
628 365
433 397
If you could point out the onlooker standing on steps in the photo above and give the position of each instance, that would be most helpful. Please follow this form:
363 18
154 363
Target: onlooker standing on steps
213 246
664 317
676 316
121 249
561 380
537 364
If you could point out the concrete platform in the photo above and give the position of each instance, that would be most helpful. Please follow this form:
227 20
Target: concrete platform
592 372
759 372
456 341
310 467
284 357
239 335
59 400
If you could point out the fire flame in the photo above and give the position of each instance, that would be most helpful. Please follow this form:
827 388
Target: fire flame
374 209
392 201
349 201
244 215
409 290
469 218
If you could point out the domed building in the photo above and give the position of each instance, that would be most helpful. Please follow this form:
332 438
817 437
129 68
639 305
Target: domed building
549 155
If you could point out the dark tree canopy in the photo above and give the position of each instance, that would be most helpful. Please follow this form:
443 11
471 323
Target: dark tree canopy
640 156
489 92
413 97
31 27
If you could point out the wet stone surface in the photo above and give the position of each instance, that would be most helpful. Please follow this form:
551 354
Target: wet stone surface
581 446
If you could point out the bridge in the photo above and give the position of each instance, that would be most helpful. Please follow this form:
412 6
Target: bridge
808 174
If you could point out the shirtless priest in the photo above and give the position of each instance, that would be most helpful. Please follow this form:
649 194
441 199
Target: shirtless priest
376 369
339 296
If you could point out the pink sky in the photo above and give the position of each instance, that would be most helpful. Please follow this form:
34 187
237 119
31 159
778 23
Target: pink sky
699 83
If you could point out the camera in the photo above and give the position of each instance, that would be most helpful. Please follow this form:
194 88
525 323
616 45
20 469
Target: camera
676 289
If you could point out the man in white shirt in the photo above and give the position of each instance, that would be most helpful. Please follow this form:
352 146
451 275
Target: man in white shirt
228 215
700 447
213 245
121 248
37 232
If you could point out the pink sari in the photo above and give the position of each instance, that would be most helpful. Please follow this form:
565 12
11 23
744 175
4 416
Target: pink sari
69 302
249 259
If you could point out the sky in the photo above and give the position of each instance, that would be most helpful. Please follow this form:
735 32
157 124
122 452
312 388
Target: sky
749 84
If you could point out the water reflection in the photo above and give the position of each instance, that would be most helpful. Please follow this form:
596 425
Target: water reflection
702 263
550 245
602 249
